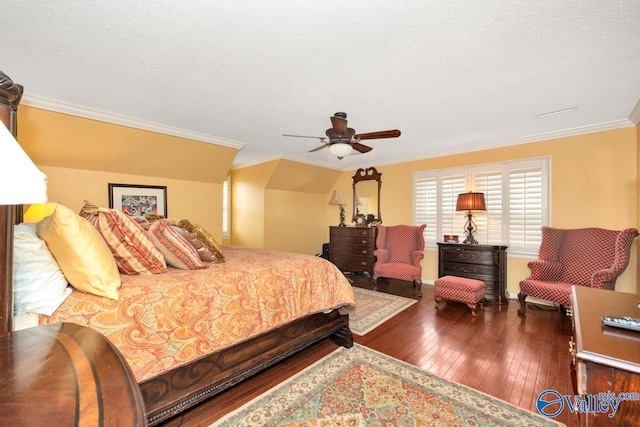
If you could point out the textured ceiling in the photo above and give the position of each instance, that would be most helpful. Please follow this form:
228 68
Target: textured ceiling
452 76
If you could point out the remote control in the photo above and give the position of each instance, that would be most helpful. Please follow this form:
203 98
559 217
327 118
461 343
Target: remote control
630 323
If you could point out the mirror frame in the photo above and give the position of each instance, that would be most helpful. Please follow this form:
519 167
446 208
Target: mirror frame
368 174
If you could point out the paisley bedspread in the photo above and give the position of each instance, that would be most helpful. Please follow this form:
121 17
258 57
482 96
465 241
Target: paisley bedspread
165 320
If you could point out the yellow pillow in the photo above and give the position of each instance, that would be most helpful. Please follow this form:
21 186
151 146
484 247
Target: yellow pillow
81 253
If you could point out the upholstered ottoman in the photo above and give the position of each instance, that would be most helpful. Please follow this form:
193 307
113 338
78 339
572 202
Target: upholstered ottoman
453 288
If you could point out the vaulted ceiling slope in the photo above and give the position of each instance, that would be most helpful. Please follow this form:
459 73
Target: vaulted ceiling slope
452 76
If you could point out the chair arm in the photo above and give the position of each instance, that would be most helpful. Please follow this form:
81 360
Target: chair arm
602 278
545 270
416 256
382 256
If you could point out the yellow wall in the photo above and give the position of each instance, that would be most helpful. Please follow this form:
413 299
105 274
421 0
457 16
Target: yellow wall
71 187
81 157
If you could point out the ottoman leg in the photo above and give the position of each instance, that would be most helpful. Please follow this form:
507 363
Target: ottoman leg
437 299
473 309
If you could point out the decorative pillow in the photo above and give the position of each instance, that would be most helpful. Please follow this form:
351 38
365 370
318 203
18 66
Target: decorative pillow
128 242
202 235
81 253
38 283
205 254
176 250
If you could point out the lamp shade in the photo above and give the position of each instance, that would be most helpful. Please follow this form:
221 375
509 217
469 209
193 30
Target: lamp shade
20 180
471 202
340 149
337 199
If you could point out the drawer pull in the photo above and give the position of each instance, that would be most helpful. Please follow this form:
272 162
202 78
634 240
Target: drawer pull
364 262
364 252
572 350
364 242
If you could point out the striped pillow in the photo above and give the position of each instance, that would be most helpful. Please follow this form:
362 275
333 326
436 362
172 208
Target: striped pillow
177 251
133 251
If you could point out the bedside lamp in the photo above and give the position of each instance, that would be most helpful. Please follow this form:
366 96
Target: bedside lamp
338 199
471 202
20 180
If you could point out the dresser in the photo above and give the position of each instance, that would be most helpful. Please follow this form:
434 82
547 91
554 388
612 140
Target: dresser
351 248
605 359
482 262
66 374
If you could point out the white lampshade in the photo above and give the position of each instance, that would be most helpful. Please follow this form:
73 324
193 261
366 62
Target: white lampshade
340 149
20 180
337 199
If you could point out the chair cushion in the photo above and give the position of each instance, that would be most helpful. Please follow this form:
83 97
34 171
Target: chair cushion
397 271
558 292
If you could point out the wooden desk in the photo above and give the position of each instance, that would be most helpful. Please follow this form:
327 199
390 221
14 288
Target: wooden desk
66 374
605 358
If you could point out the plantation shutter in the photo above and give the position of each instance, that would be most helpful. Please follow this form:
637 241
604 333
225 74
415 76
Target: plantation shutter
490 224
526 207
426 205
452 222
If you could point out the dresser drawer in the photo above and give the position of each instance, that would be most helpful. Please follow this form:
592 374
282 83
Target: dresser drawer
351 263
468 256
356 249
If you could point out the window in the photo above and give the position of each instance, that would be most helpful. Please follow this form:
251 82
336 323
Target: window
516 194
226 214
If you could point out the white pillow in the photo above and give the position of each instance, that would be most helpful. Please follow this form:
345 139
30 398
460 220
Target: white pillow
38 283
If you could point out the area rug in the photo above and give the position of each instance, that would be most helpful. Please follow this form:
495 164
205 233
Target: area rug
374 308
361 387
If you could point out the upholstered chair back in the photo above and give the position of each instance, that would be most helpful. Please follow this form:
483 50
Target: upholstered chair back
401 241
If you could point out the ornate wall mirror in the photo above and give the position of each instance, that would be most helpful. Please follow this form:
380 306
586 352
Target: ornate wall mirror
366 196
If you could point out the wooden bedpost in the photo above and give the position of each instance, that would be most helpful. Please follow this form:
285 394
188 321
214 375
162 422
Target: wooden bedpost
10 94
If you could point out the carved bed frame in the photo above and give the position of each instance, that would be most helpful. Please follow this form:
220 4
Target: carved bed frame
181 388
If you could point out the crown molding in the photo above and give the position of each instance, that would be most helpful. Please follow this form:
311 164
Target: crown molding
634 117
88 113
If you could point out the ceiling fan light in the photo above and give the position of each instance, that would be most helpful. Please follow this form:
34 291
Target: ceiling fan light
340 149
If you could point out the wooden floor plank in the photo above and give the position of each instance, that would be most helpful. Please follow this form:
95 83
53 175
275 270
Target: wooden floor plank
498 353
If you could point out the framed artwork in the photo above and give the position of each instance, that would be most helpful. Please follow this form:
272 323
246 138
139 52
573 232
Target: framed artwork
137 200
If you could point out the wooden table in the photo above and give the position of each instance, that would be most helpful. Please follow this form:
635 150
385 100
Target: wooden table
605 358
67 375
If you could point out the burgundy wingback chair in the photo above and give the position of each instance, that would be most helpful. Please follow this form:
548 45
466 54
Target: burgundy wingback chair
399 249
592 257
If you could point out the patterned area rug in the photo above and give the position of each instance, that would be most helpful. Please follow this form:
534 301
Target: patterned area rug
361 387
374 308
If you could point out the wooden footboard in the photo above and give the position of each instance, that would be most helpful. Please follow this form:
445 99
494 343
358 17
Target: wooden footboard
179 389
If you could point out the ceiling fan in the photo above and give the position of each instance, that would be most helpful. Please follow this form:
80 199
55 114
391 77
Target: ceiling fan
343 139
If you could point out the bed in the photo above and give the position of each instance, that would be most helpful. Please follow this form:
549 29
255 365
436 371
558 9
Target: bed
197 365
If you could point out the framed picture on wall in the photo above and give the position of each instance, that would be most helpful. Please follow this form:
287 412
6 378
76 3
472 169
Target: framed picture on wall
137 200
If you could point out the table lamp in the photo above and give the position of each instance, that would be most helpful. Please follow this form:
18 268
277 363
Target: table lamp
338 199
471 202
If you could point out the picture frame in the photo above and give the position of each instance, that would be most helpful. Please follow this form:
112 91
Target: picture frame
137 200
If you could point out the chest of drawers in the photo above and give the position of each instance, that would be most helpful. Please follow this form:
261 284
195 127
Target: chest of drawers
351 248
482 262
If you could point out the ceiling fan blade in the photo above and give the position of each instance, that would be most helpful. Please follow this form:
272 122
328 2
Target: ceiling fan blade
361 147
318 148
378 135
304 136
339 125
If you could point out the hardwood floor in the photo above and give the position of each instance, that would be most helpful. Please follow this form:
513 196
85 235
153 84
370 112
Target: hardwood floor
497 352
